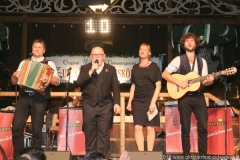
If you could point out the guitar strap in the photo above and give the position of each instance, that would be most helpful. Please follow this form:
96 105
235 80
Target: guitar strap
202 87
194 62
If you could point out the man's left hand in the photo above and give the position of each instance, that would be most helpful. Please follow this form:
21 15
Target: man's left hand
209 80
116 109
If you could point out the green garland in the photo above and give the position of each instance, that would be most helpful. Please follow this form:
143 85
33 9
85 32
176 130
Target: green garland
110 54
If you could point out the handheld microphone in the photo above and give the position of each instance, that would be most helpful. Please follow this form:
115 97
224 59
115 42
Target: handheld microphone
30 54
69 71
95 71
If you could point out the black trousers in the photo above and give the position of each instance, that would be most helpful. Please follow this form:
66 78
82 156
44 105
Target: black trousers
197 105
28 105
97 122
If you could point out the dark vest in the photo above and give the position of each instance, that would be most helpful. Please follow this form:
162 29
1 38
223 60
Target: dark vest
185 67
38 95
97 96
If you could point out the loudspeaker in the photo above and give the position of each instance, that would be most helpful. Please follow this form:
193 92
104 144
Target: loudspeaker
57 155
93 2
145 155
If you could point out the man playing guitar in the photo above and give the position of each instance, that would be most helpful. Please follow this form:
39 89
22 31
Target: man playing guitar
193 101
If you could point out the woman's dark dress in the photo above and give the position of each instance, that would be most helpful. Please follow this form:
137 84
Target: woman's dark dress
144 80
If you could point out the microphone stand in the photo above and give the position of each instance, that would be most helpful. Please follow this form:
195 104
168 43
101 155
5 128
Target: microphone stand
67 88
6 73
9 83
225 111
224 81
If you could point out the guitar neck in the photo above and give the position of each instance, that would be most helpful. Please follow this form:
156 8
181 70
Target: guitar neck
202 78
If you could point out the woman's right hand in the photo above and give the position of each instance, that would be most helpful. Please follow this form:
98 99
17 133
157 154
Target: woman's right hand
129 107
124 156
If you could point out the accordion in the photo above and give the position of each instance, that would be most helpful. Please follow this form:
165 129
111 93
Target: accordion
31 73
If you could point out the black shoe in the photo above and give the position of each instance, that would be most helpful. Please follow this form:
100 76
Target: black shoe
161 135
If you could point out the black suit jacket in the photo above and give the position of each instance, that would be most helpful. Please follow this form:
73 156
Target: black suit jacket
106 83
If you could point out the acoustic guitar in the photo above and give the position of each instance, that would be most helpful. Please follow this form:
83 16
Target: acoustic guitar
194 82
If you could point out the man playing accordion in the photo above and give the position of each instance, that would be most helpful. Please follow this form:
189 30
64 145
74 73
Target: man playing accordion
31 102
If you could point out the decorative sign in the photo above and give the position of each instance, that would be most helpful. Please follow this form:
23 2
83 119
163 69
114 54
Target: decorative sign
101 26
217 132
74 128
90 26
173 131
6 134
104 26
122 65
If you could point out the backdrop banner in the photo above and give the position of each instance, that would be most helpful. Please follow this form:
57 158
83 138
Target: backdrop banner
6 134
173 131
76 137
216 131
123 66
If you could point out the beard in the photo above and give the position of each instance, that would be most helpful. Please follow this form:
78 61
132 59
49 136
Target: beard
190 50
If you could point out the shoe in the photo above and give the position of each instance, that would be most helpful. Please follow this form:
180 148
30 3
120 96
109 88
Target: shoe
161 135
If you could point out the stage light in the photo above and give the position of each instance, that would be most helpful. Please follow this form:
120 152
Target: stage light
98 9
93 2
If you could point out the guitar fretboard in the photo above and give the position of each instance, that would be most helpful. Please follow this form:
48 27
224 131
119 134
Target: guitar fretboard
202 78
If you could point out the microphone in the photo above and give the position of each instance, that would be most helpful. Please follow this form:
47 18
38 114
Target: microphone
30 54
95 71
69 71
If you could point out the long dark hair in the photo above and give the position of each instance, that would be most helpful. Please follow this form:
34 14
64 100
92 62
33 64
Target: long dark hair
34 153
94 156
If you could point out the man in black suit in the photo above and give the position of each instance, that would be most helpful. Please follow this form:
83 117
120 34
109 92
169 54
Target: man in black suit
97 80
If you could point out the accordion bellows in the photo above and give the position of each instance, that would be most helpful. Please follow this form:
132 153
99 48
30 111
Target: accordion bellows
31 73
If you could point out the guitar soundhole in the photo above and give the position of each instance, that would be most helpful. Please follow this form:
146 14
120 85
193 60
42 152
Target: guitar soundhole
189 82
177 88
